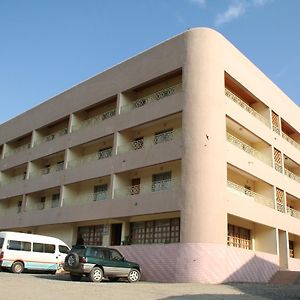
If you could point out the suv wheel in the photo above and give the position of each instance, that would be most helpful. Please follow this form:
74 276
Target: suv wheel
75 277
134 275
96 275
72 260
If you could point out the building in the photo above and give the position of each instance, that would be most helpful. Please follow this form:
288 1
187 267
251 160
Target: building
186 156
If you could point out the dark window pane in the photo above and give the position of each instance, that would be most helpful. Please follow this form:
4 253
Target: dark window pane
63 249
38 247
1 242
49 248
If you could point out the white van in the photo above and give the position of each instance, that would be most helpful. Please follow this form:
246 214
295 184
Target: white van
19 251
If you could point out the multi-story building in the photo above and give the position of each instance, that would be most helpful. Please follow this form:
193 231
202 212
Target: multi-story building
186 156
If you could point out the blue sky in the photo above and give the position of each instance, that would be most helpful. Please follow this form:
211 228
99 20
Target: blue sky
47 46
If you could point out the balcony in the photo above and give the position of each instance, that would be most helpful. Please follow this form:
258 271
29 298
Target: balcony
93 121
248 149
101 154
151 98
291 169
47 170
246 107
290 140
16 146
290 134
51 136
147 142
88 198
245 192
142 189
14 175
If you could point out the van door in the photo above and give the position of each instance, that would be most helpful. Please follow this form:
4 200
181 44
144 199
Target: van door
44 257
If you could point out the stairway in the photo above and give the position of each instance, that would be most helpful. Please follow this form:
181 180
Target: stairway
285 277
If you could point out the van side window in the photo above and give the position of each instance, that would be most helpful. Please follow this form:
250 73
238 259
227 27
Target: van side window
38 247
18 245
49 248
1 242
46 248
63 249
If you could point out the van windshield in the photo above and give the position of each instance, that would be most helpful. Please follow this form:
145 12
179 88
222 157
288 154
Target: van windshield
1 242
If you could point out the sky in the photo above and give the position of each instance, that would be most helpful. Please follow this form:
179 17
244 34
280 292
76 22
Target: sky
48 46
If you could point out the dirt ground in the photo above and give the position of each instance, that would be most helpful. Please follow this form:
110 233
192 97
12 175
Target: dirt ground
43 287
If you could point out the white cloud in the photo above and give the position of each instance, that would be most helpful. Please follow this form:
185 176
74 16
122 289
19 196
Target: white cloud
200 3
234 11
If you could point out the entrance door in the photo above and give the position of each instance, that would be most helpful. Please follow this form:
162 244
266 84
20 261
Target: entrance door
116 232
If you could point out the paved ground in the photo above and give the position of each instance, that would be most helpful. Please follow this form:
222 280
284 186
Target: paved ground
43 287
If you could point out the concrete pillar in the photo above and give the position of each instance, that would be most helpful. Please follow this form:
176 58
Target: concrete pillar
203 213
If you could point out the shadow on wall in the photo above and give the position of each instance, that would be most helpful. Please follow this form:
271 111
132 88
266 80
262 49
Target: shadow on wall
205 263
256 269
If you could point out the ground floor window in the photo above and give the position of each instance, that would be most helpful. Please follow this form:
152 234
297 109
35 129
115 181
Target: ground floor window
90 235
155 232
238 237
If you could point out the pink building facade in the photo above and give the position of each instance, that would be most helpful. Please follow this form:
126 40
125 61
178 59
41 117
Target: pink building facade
186 157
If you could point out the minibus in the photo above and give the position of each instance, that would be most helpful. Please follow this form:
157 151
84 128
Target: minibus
24 251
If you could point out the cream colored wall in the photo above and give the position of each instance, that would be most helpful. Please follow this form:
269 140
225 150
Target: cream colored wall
240 179
283 249
99 109
265 239
82 192
63 232
9 206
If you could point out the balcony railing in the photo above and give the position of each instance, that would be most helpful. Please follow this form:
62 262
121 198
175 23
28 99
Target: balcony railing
78 200
278 167
246 107
276 129
293 212
280 207
18 149
250 194
248 149
47 170
290 140
106 153
156 186
13 179
152 98
51 136
291 175
94 120
150 141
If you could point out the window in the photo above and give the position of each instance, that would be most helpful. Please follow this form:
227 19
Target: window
138 143
19 209
100 192
92 235
95 252
135 186
63 249
238 237
43 248
155 232
163 136
55 200
18 245
49 248
46 169
115 255
60 165
291 248
248 190
38 247
105 153
42 203
1 242
161 181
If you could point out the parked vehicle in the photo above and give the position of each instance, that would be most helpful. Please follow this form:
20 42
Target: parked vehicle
99 262
19 251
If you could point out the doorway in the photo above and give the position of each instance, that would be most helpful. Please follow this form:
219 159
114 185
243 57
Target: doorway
116 233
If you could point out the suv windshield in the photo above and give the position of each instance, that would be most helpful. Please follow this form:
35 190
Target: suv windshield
1 242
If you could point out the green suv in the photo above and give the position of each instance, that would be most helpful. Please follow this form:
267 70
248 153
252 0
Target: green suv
99 262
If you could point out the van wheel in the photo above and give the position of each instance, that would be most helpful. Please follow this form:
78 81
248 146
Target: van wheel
96 275
17 267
